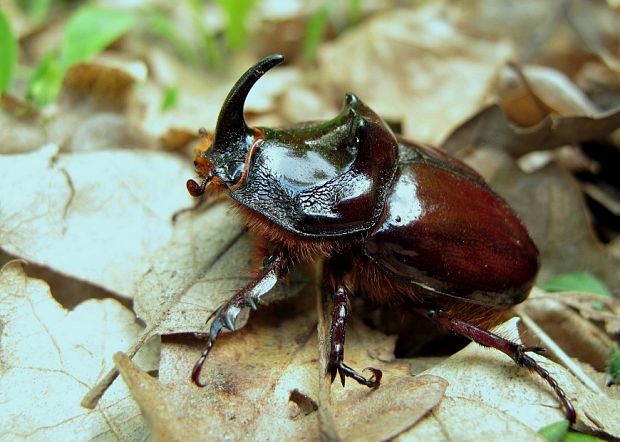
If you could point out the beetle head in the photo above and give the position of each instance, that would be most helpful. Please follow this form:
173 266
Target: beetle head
224 159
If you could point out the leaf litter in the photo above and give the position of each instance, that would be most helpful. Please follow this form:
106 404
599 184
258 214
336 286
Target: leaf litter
257 377
269 376
59 209
50 358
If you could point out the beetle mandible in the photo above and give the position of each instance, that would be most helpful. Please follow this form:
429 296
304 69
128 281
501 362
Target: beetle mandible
396 221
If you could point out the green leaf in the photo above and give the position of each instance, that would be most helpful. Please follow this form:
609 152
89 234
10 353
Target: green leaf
8 53
613 364
35 9
90 30
236 12
555 432
573 436
171 97
355 11
579 282
314 32
45 83
160 25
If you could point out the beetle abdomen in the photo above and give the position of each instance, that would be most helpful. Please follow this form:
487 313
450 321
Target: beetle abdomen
447 233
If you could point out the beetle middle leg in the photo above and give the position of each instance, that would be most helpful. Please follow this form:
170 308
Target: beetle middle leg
517 352
340 314
274 268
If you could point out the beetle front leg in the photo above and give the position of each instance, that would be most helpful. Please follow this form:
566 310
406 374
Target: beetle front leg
517 352
340 314
274 268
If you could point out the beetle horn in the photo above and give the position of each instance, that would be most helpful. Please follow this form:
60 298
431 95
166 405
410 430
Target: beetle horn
231 127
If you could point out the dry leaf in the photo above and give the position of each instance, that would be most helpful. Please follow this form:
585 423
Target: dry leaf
105 83
200 95
596 25
98 131
533 92
92 109
362 414
480 374
528 24
250 377
18 136
600 83
393 408
94 216
462 419
206 261
304 104
262 383
607 310
490 127
51 356
414 66
557 32
575 334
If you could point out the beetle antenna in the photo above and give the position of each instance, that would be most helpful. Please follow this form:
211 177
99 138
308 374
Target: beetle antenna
231 127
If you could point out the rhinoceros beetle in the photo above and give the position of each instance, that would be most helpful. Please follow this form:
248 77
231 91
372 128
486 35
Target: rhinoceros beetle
399 222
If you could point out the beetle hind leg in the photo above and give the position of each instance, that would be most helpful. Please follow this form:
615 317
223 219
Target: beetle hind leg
274 268
336 365
517 352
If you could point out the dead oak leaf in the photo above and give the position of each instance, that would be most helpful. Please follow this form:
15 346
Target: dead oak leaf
18 134
262 383
206 260
359 413
530 93
411 65
574 333
525 397
259 382
491 127
200 95
593 307
396 406
50 357
462 419
92 215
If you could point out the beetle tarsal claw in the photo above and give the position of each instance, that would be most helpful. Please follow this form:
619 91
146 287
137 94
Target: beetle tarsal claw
522 351
252 303
229 320
347 372
534 349
198 369
376 376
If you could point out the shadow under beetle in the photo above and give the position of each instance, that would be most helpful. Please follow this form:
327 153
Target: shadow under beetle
399 222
